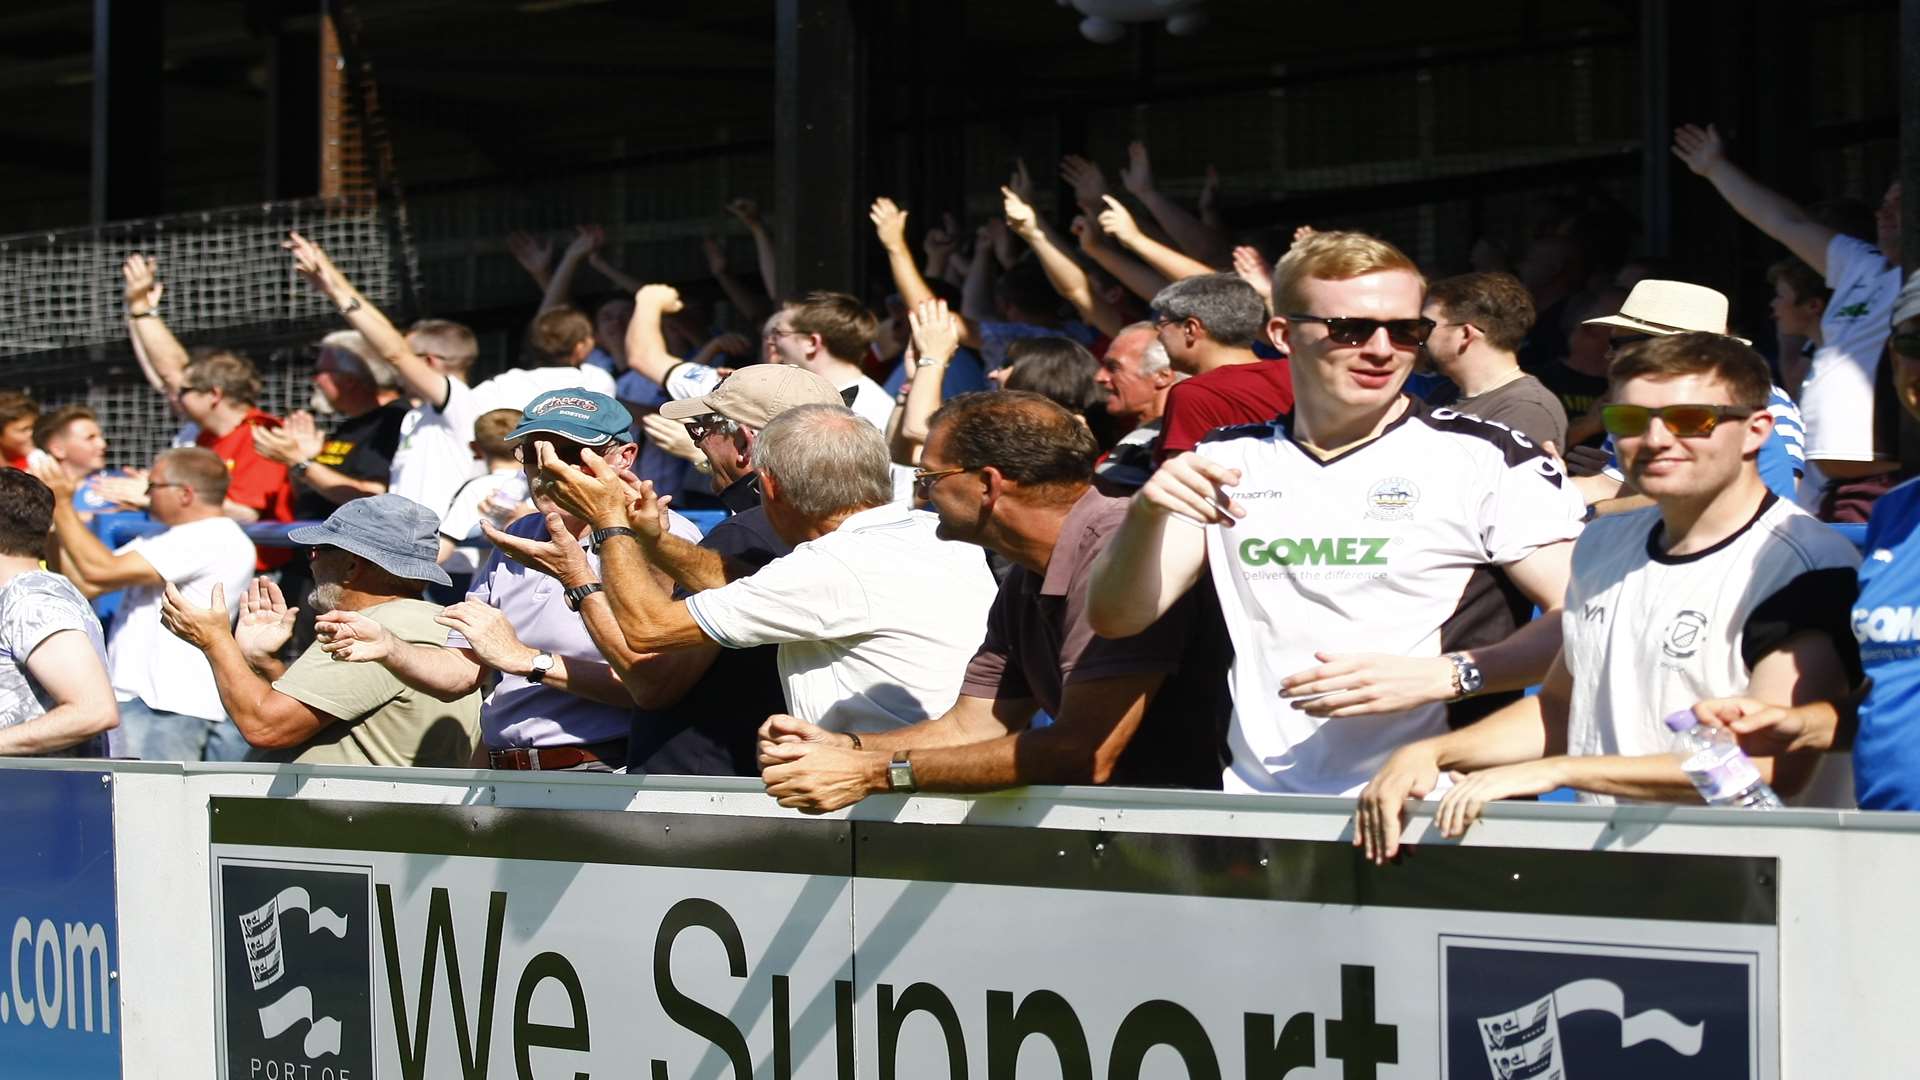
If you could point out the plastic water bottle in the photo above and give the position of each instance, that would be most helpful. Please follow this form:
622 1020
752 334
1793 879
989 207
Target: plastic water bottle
1723 773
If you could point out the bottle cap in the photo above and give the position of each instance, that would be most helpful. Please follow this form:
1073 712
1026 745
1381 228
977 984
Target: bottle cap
1680 721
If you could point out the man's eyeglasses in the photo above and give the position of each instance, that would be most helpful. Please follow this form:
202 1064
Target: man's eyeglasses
1403 333
924 479
699 427
772 336
1685 421
1907 345
153 487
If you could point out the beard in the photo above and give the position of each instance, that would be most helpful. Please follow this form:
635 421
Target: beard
324 597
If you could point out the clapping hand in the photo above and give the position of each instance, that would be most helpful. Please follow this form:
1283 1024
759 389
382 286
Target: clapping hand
54 475
936 333
198 626
266 622
488 634
298 439
353 637
559 556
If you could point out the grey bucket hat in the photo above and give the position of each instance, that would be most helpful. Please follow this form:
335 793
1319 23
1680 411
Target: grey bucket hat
391 531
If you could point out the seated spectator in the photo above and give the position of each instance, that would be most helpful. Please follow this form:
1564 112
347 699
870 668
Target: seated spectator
499 494
18 414
373 555
558 704
71 436
430 460
864 646
1137 375
55 697
557 347
1208 325
1721 588
169 707
1358 522
1012 472
1479 322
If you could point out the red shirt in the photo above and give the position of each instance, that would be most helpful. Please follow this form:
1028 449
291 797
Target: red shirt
17 463
1236 394
255 482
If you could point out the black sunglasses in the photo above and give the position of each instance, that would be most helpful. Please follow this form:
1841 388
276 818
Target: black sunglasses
566 452
1685 421
1404 333
699 427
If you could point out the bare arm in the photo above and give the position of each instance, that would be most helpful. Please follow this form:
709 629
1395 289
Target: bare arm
890 223
646 345
1201 241
1139 279
748 214
1153 560
535 256
418 378
587 240
162 358
93 568
1066 276
1768 210
621 280
66 667
751 306
1171 264
936 336
976 289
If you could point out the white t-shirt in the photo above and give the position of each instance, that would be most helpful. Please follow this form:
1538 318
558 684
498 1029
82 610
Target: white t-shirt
435 457
1648 634
687 379
876 621
871 402
143 658
461 522
1837 398
1371 551
515 389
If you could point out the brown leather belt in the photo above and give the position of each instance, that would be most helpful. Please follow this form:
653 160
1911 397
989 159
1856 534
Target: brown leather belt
539 758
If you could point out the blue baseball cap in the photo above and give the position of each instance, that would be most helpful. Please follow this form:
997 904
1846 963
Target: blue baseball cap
579 415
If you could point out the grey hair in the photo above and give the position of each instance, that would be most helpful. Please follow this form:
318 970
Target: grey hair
826 460
1234 314
353 343
1153 358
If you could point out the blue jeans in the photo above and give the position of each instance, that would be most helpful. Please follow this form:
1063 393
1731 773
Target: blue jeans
152 734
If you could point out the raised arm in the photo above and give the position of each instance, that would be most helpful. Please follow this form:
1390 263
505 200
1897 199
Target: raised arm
162 358
1136 276
747 212
418 378
936 337
1768 210
84 559
586 241
646 345
1119 224
1066 276
754 308
890 224
1199 240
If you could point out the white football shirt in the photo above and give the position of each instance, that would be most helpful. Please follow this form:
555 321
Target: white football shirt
1370 551
1648 634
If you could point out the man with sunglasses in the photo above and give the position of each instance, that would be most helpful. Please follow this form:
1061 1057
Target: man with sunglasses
1342 539
1208 325
170 708
562 700
1721 588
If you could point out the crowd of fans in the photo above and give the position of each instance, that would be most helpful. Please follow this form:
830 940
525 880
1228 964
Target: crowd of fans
1119 501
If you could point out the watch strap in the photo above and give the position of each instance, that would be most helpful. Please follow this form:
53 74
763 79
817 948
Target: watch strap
579 593
599 537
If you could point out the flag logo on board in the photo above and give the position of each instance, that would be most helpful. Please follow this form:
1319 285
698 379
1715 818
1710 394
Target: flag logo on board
297 971
1522 1010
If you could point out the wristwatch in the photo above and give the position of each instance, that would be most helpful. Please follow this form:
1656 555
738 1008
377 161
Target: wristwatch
299 469
900 774
542 665
600 537
1467 679
579 593
930 361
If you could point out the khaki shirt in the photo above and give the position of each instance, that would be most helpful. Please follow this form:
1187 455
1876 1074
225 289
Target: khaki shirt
383 721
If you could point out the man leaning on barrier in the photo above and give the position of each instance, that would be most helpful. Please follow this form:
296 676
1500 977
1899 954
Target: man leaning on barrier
1012 471
1720 588
373 555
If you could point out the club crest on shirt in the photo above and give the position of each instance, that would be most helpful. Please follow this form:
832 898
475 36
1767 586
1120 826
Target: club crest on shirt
1684 635
1392 499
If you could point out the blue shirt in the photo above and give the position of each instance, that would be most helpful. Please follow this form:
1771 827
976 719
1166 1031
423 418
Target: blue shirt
965 374
1886 622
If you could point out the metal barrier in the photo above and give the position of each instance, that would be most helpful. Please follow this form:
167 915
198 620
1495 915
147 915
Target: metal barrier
296 923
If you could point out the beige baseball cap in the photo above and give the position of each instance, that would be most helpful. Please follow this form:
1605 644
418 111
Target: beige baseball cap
755 395
1671 307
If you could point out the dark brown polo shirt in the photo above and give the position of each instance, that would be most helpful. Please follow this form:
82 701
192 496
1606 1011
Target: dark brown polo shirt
1038 642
